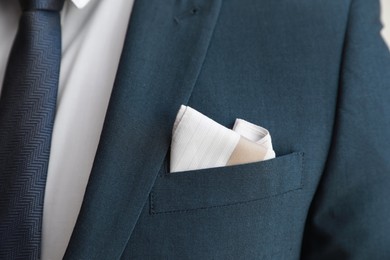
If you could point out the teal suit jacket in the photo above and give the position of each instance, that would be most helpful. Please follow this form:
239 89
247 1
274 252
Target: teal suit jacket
315 73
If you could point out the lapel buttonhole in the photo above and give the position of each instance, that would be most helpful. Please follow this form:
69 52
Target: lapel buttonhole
187 14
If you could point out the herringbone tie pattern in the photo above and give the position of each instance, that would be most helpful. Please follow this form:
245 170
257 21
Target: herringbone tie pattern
27 109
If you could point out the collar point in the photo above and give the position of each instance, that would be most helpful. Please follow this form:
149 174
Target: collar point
80 3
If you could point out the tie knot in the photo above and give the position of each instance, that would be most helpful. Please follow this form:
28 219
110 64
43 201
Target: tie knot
45 5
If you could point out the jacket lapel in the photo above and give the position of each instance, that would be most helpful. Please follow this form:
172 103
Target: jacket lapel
164 49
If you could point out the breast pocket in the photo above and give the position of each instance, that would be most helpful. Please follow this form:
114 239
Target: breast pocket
225 186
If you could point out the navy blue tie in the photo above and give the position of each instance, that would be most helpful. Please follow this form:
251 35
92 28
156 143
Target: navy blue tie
27 110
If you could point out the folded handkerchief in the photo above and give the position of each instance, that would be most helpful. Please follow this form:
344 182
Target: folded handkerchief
198 142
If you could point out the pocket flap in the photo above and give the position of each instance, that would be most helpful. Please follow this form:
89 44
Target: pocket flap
207 188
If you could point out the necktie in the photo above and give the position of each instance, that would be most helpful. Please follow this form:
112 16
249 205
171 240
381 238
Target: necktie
27 109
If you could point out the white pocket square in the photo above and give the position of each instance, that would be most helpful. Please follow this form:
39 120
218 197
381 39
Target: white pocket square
198 142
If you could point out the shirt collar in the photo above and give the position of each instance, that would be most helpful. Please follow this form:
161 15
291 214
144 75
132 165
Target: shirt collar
80 3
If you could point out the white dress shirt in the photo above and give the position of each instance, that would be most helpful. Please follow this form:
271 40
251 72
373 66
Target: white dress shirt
93 33
385 14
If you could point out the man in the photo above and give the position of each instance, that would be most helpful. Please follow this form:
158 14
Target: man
316 74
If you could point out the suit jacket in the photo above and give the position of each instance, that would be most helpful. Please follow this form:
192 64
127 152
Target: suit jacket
315 73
